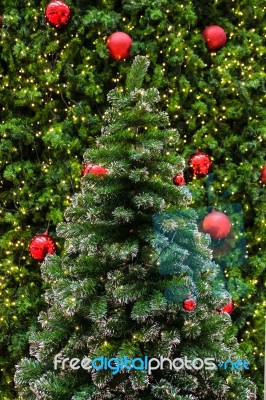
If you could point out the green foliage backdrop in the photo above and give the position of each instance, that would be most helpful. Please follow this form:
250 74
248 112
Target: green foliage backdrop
52 96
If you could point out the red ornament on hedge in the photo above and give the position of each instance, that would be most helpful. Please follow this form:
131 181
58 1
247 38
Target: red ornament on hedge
189 304
93 169
179 180
57 13
200 163
215 37
217 224
263 174
41 245
119 44
228 308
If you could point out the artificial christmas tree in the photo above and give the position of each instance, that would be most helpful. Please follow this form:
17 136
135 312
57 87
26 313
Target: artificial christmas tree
106 294
53 92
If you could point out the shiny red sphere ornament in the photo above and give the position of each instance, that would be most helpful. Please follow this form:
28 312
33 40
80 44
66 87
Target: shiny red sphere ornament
119 44
57 13
228 308
93 169
200 163
263 174
189 304
215 37
179 180
217 224
41 245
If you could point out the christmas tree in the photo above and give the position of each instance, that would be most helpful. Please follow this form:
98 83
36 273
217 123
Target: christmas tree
54 81
136 280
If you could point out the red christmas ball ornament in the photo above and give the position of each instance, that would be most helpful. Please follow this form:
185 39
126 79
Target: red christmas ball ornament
93 169
215 37
200 163
263 174
189 304
179 180
57 13
217 224
228 308
119 44
41 245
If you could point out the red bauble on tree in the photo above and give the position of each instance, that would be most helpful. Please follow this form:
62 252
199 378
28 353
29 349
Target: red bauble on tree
217 224
40 246
200 163
93 169
215 37
263 174
119 44
189 304
228 308
57 13
179 180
